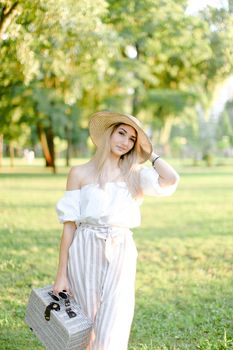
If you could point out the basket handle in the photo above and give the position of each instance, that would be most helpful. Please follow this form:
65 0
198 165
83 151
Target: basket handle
49 308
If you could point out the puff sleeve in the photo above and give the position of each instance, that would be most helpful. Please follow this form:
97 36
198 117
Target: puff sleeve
68 207
149 180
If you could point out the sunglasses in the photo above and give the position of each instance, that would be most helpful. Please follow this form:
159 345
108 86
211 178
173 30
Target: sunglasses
64 295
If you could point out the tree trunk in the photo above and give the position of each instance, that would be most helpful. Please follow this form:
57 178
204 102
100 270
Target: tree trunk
230 6
68 150
6 17
1 150
165 135
47 143
135 101
12 154
50 141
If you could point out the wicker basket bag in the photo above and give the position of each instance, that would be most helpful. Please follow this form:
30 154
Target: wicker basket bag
59 324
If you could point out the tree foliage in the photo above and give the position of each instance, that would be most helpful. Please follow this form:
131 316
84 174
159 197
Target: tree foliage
62 60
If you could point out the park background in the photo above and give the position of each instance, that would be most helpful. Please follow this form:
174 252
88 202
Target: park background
170 63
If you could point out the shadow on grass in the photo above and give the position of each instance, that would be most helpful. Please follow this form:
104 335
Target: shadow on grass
31 175
191 229
208 173
18 338
28 205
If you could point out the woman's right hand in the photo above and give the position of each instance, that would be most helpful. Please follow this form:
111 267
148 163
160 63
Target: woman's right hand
60 284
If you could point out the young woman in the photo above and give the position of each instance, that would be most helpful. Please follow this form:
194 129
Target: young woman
97 261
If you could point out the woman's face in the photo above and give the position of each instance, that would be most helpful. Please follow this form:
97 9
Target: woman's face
122 139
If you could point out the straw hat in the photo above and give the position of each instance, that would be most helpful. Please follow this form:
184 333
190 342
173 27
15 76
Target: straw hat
101 121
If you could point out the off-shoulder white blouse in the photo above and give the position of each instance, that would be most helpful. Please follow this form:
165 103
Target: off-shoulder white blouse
112 205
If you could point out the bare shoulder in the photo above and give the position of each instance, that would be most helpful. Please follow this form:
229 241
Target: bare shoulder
76 176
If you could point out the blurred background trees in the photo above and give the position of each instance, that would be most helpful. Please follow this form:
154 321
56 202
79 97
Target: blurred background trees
63 60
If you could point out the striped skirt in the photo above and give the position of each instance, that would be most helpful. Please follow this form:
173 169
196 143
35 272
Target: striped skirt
101 270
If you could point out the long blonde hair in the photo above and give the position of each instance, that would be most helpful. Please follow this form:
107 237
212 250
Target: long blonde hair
129 163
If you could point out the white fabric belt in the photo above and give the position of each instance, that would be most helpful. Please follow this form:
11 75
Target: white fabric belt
113 236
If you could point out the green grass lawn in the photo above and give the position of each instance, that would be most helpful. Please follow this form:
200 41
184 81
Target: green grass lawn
184 288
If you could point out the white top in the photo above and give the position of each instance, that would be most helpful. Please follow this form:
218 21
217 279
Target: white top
111 206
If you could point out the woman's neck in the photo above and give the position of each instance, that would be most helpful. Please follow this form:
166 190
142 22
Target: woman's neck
111 169
112 163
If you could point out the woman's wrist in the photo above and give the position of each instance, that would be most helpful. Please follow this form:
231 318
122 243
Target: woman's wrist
154 157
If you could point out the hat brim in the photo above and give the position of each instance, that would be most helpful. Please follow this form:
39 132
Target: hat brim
101 121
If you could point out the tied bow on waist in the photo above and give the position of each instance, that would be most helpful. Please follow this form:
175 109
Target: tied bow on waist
112 236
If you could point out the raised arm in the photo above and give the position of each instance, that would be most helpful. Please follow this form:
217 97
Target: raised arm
167 174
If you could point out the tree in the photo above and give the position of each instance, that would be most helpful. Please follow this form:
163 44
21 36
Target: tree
148 58
55 47
178 59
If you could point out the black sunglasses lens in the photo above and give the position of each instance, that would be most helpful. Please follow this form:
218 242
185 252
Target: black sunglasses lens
63 295
53 296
